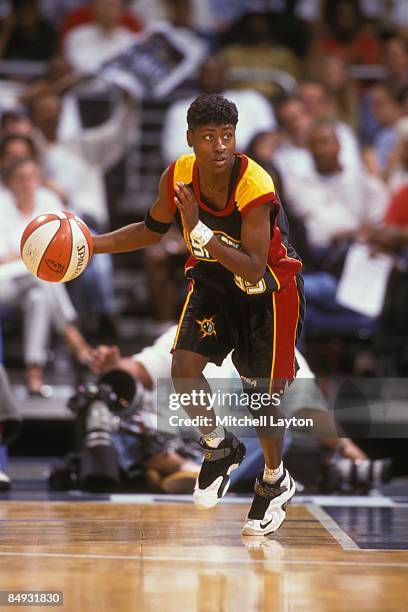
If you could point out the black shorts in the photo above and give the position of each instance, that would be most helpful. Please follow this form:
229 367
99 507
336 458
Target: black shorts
262 331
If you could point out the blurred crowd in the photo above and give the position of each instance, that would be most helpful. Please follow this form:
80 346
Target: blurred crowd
322 92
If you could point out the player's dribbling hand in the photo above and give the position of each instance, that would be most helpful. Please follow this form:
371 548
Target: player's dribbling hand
104 358
188 206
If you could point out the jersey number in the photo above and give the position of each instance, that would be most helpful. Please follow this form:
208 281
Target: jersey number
248 287
199 251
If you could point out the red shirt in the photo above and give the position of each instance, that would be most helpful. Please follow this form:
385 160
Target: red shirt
84 15
397 213
362 49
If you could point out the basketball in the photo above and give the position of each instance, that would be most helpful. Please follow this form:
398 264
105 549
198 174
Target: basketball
56 246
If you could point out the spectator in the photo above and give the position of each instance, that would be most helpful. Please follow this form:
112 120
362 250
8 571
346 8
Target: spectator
295 116
87 46
256 113
345 37
25 34
316 95
87 155
85 14
153 11
77 164
290 21
256 49
262 149
45 305
395 54
92 292
335 75
16 146
293 156
386 111
179 20
16 121
334 201
59 79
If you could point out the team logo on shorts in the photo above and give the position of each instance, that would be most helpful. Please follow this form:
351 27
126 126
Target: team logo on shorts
207 327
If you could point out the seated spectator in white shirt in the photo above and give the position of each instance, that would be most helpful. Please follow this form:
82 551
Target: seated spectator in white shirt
45 306
320 103
92 292
293 157
255 112
89 45
334 202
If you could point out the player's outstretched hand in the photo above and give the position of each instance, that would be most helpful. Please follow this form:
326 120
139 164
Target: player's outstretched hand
104 358
188 206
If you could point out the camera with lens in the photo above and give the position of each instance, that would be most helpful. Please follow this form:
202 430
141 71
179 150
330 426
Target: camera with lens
104 409
322 471
343 475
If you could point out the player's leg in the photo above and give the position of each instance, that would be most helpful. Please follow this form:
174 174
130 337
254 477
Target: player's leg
202 335
270 358
223 452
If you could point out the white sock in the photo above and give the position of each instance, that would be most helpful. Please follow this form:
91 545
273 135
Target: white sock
214 438
271 475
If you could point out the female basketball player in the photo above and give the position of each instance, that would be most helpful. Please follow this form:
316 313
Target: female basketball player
245 294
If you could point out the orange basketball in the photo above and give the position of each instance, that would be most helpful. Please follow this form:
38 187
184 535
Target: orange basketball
56 246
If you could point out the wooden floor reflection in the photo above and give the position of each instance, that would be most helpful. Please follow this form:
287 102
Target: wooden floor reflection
171 557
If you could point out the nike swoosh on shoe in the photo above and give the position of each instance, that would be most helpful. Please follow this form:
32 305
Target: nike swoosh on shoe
265 525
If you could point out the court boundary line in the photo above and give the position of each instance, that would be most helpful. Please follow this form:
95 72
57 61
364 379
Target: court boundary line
332 527
172 559
362 501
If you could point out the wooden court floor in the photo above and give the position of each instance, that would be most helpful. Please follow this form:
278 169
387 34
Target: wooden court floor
171 557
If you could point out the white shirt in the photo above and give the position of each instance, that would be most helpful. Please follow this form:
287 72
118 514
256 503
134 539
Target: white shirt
302 393
87 46
13 222
339 202
294 161
78 163
254 111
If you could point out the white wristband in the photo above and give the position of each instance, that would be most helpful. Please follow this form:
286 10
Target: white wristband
201 234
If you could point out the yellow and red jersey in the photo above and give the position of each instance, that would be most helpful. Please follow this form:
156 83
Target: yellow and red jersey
250 186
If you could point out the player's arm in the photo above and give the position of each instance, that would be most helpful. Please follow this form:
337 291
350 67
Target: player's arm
250 261
138 235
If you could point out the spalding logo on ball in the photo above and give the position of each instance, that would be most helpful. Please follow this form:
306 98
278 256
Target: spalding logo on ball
56 246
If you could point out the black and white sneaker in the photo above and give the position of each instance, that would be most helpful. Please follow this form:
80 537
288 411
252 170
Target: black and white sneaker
214 478
5 482
268 509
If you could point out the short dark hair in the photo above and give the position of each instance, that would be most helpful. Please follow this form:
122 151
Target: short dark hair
283 101
8 172
5 141
13 115
211 109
